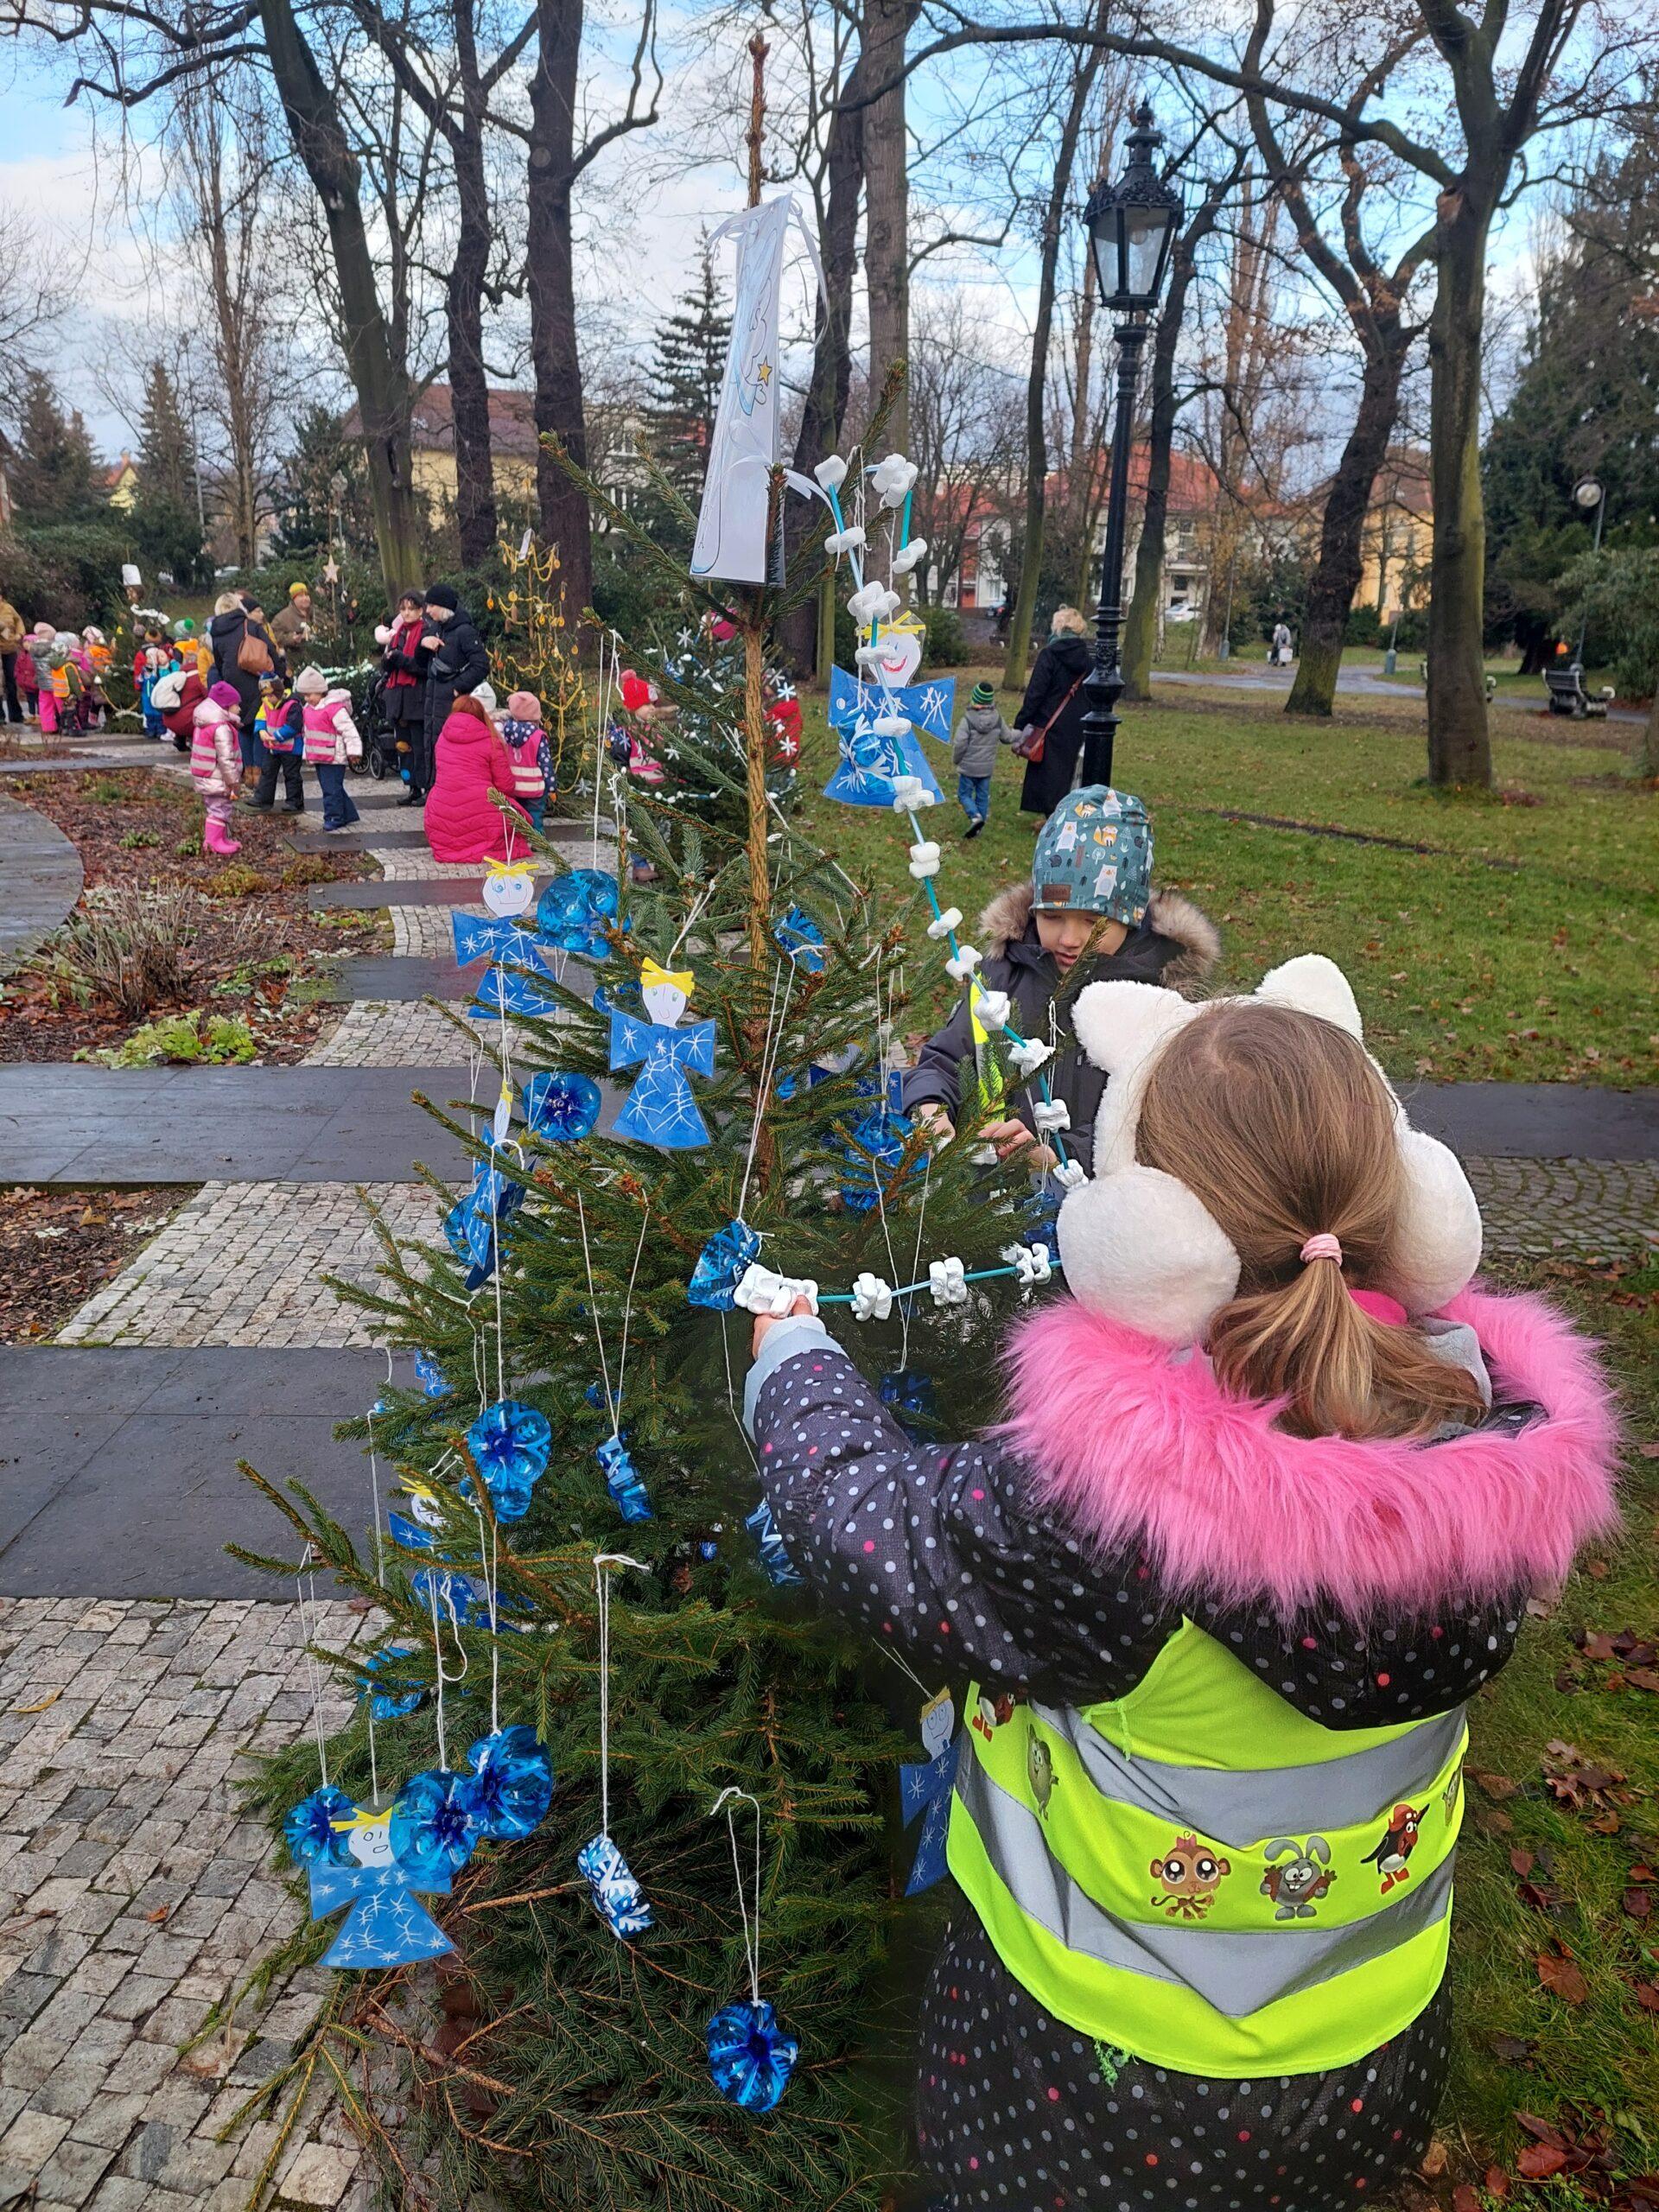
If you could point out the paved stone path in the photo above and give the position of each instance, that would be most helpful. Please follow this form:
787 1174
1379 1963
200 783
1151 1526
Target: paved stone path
40 880
136 1895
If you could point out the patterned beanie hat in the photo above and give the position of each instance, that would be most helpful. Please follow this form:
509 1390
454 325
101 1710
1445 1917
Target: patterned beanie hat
1094 853
982 694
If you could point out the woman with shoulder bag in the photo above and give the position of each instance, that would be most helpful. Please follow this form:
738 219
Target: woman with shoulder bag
243 652
1050 715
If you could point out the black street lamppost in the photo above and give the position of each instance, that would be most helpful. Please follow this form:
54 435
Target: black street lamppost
1132 226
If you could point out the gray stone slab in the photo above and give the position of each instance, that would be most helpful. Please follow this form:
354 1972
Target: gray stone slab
391 979
40 880
413 891
1538 1120
413 838
74 763
144 1507
66 1123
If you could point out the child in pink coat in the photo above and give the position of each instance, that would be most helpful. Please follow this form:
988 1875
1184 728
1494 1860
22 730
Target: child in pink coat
463 820
331 739
216 764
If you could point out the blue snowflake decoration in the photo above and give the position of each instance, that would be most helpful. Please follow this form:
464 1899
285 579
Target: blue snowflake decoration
432 1831
574 910
750 2058
781 1570
561 1108
622 1479
877 1146
430 1376
509 1443
798 934
312 1836
389 1704
618 1898
722 1265
511 1783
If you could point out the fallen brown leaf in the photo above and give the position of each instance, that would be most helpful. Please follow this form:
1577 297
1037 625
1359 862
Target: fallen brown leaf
1514 2051
1497 2182
1465 2199
160 1913
1521 1861
1539 2161
1495 1786
1643 1678
1435 2161
1561 1977
1638 1903
1646 1996
41 1705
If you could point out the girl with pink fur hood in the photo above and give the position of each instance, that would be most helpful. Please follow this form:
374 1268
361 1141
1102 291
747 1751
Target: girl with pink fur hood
1272 1487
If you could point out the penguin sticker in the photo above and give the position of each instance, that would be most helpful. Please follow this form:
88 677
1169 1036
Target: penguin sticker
1394 1846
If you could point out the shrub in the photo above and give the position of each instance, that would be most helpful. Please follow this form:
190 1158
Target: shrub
946 646
183 1038
139 946
66 573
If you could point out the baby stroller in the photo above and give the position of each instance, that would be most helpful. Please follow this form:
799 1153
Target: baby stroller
385 751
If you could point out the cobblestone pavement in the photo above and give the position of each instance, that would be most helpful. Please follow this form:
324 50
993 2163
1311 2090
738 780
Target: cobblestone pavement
392 1033
1576 1209
241 1264
135 1895
426 932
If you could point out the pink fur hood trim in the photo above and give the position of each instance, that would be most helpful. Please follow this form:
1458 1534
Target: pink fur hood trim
1132 1448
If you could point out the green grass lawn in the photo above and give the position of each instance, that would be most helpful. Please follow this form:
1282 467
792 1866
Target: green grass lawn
1520 947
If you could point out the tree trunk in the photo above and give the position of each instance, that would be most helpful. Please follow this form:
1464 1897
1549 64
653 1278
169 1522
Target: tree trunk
832 353
557 366
1025 604
1141 625
379 380
1336 574
469 394
1459 749
886 218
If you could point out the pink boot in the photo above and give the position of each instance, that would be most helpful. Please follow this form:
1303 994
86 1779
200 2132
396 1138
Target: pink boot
215 837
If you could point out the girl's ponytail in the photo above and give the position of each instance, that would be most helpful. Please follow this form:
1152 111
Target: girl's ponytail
1279 1123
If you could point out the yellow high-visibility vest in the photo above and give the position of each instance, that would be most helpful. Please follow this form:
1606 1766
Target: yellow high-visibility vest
1202 1876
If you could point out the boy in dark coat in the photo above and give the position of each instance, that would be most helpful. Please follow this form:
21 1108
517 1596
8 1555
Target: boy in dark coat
1039 933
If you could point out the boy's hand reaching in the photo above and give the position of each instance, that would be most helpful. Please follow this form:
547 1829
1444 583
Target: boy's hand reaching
764 1321
1010 1137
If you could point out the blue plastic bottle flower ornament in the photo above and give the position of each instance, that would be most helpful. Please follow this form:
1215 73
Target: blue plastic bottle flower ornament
388 1704
877 1147
908 1394
432 1831
317 1831
509 1443
722 1265
781 1570
574 910
750 2058
618 1898
798 935
622 1479
509 1787
561 1108
660 1108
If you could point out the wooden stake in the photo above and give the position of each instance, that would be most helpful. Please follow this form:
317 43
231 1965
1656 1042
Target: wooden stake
758 51
754 746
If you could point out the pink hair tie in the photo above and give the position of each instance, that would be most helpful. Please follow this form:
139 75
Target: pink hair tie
1322 1246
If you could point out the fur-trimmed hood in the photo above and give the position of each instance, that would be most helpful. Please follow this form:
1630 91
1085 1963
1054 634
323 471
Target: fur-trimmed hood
1132 1448
1007 918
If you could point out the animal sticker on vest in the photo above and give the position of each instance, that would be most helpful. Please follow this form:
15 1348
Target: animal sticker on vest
1040 1766
1300 1878
991 1711
1449 1795
1189 1874
1395 1846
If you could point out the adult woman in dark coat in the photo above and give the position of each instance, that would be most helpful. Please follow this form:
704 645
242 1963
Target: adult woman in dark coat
1056 689
237 618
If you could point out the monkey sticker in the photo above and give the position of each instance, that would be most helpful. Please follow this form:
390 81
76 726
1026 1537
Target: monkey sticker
1188 1875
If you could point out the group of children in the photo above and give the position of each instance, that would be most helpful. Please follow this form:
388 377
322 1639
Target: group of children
311 724
59 678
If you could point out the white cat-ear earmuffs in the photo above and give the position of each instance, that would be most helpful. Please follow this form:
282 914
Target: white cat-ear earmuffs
1139 1247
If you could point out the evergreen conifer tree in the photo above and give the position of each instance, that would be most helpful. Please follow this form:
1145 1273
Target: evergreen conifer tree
52 477
167 517
572 2068
687 365
320 452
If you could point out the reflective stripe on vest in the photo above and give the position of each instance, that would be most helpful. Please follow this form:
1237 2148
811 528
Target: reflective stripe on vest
1279 1902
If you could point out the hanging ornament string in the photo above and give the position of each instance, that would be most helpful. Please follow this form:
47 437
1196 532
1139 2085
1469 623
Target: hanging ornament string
380 1576
437 1654
751 1932
489 1559
593 1308
602 1588
769 1052
313 1670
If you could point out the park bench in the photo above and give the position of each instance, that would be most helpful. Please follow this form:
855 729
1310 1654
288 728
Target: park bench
1491 682
1568 696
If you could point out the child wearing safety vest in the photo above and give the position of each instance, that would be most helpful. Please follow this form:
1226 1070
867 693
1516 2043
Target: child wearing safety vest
1273 1489
527 747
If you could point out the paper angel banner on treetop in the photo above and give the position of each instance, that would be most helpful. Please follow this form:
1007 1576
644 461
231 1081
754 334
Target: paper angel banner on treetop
731 540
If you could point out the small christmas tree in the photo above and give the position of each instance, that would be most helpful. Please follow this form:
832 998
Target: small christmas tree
534 652
579 1569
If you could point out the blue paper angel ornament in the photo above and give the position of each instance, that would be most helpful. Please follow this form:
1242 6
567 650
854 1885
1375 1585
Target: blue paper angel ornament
387 1702
474 1226
385 1924
926 1788
660 1108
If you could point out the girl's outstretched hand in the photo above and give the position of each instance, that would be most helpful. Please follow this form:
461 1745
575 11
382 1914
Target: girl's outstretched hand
764 1321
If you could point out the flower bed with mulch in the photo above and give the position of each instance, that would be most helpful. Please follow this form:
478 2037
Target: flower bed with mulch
58 1247
144 829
